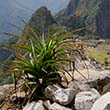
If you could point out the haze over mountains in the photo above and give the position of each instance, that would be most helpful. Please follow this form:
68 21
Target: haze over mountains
11 10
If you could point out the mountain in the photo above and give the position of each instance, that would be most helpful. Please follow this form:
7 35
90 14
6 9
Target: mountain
92 14
42 19
12 11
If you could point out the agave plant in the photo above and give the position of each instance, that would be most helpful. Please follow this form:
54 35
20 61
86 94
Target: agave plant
40 59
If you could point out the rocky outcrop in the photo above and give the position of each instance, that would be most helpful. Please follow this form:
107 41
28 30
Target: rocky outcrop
60 95
79 86
17 97
100 82
84 100
103 103
106 88
92 14
34 106
71 7
6 87
42 19
40 105
79 95
54 106
2 97
102 19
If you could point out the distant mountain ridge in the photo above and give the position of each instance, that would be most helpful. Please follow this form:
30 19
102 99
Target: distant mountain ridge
92 14
12 11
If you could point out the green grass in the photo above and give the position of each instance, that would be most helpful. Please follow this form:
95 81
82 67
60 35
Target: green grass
6 79
99 53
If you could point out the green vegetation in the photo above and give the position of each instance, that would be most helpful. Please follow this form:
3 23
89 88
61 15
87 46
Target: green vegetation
39 60
100 53
5 79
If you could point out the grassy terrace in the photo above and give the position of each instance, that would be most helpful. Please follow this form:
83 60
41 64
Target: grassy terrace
100 53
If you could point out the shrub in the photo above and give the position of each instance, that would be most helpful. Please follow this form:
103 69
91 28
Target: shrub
40 59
